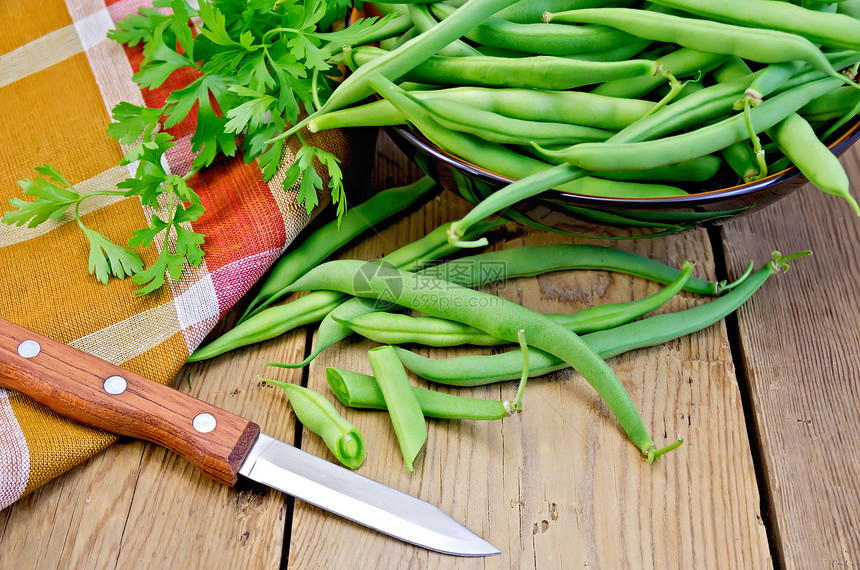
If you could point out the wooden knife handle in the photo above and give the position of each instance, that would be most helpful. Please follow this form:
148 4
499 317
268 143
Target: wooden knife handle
97 393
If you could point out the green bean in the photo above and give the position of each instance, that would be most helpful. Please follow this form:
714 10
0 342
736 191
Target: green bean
271 323
393 328
374 114
681 63
539 38
529 11
532 260
424 20
760 45
849 8
706 140
324 241
651 331
500 159
574 107
395 64
275 321
799 142
505 320
505 130
532 72
740 158
357 390
601 317
407 36
698 169
610 219
776 74
319 416
832 30
733 68
403 408
626 51
827 116
832 105
739 155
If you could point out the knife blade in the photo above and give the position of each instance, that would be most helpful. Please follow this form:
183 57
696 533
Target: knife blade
222 445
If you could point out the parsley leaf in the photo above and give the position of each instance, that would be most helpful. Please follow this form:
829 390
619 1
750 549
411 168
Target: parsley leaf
302 171
137 28
108 258
253 112
132 122
53 196
160 60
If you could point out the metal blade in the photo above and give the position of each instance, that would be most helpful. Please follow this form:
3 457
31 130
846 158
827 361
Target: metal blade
359 499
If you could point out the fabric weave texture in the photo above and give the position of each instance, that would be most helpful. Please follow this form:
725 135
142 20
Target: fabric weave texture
59 79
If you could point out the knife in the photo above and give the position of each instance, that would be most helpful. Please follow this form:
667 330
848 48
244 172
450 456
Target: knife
222 445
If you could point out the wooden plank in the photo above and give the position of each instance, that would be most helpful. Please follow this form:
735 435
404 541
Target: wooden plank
801 343
559 486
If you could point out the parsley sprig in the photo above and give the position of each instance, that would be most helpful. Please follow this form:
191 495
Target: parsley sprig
262 62
259 64
55 196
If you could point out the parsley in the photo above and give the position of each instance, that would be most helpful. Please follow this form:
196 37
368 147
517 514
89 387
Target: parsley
55 196
259 64
263 62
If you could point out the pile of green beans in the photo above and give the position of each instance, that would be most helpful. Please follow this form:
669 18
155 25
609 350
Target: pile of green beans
553 342
770 78
651 331
276 320
506 320
519 262
431 331
615 98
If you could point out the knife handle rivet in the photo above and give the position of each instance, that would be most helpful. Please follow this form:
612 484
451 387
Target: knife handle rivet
29 349
204 423
115 385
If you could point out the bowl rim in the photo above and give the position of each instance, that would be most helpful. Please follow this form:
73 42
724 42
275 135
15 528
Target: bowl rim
849 135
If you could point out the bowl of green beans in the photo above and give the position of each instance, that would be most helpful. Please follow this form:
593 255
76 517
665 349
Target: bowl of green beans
644 119
707 203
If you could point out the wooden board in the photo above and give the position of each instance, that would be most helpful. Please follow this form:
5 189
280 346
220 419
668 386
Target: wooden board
800 342
558 486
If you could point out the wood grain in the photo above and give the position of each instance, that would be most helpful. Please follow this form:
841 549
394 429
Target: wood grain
559 486
800 342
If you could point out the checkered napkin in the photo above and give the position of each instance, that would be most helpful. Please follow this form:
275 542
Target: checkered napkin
59 79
